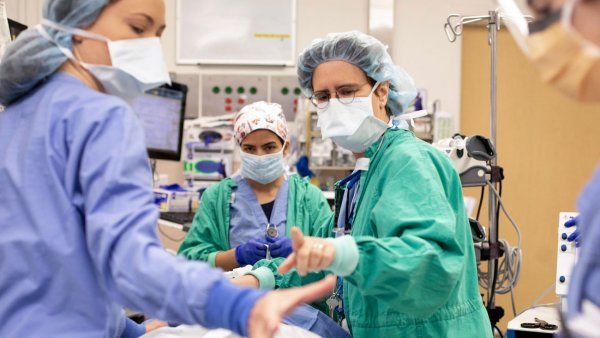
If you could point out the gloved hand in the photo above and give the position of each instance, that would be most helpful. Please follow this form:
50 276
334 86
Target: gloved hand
575 235
280 246
251 252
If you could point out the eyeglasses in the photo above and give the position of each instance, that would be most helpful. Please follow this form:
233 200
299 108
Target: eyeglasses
344 94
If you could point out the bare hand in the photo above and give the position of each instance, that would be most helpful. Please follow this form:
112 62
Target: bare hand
154 324
269 310
310 254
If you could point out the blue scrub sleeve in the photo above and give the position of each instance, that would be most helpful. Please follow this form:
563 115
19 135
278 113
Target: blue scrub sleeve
116 200
133 329
231 312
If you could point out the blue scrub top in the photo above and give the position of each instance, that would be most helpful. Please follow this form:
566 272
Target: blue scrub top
247 218
248 221
78 224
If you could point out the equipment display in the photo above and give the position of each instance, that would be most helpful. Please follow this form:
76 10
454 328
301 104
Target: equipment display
162 112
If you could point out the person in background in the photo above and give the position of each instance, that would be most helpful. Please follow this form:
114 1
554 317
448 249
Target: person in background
563 42
404 246
77 219
246 219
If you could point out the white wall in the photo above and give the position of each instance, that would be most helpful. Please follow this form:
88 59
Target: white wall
28 12
421 47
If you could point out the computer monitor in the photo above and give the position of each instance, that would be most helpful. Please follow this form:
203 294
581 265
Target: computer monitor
162 111
15 28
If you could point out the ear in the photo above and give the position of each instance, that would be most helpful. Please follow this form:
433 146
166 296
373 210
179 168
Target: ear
286 148
77 39
382 93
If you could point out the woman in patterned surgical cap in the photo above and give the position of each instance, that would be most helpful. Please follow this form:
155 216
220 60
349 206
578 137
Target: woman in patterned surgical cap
246 219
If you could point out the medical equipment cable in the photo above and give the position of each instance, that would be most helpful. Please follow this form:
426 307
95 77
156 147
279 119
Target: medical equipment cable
510 266
492 292
499 331
535 304
542 295
480 202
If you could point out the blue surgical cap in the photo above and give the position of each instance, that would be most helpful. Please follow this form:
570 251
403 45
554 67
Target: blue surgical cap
32 58
366 53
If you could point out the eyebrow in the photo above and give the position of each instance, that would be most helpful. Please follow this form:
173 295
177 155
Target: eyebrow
146 16
338 87
272 143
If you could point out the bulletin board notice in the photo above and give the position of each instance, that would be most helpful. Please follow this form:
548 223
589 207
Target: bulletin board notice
236 32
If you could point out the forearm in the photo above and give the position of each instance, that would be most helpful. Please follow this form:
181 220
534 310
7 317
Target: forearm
246 281
226 260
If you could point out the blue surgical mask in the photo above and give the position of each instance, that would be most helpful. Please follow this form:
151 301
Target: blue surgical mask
262 169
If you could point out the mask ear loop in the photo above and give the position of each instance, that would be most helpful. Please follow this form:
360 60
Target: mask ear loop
375 86
44 33
408 117
75 31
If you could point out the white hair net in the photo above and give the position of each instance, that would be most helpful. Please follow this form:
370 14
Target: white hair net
365 52
32 58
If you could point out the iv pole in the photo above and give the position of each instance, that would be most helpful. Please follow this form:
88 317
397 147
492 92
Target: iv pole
453 30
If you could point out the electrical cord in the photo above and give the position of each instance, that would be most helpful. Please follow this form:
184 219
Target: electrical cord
509 266
480 203
542 295
492 294
500 332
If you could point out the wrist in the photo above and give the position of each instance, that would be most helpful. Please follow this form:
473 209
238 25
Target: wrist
346 255
238 256
265 277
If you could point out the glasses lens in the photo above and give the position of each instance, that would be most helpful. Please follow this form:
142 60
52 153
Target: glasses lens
346 95
322 105
320 100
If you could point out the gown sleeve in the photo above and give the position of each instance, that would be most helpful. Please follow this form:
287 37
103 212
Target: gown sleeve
200 243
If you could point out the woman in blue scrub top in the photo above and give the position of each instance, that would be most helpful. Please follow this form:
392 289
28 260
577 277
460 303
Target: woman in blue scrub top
77 219
246 219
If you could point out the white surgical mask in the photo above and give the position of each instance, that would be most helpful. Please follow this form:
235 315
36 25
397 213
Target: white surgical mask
137 64
351 126
262 169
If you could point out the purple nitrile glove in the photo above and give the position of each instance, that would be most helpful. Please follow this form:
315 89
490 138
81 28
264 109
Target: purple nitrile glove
251 252
280 246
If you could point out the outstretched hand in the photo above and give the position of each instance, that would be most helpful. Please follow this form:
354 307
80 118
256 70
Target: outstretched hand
269 311
310 254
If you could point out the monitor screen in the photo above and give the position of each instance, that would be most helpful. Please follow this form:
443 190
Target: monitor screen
161 112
